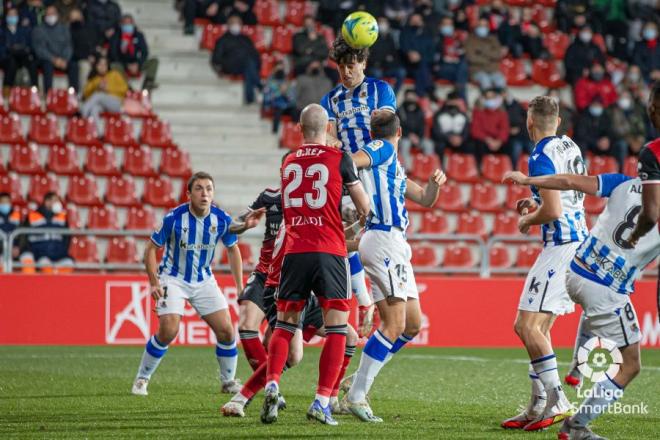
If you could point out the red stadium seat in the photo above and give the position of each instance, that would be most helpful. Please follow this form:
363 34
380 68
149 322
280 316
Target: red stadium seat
594 204
483 197
602 165
101 161
141 218
458 256
83 191
103 217
24 159
84 249
506 223
462 168
137 104
599 41
42 184
292 137
547 74
44 130
73 217
515 193
62 102
82 131
11 131
210 35
121 191
119 132
523 164
267 12
296 12
423 255
246 254
63 160
630 166
257 35
158 192
175 163
450 198
137 162
3 110
493 167
557 43
527 254
11 184
514 72
156 133
25 101
471 224
424 165
499 257
122 250
328 34
282 39
3 168
434 223
268 62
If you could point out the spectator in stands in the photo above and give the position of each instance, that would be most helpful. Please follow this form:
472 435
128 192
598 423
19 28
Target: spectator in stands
15 51
628 118
566 113
581 54
105 16
104 92
509 32
490 126
130 54
332 12
484 52
413 127
384 56
596 84
193 9
308 46
310 87
65 7
450 126
47 249
634 82
398 11
449 61
519 142
278 95
430 17
594 132
31 12
242 8
417 47
10 219
235 54
532 42
83 35
647 53
52 45
612 15
567 10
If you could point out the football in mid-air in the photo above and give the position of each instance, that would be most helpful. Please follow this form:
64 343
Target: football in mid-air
360 30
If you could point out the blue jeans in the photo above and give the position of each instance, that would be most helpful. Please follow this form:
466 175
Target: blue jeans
251 80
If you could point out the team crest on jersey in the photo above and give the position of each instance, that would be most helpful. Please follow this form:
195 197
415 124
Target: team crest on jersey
335 100
213 229
363 94
375 145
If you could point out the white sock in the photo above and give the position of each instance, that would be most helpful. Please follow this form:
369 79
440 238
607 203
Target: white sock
227 355
358 281
153 353
538 389
602 394
372 360
240 398
580 339
545 368
323 400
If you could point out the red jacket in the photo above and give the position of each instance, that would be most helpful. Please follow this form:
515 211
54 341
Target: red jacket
490 123
587 89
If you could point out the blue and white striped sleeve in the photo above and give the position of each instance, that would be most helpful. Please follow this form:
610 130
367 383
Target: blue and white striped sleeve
229 239
608 182
386 97
325 103
541 165
161 235
378 151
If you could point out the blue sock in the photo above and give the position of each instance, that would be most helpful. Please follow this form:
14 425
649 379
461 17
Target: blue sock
402 340
372 360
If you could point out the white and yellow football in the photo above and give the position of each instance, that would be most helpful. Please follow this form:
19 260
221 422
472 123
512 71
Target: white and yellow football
360 30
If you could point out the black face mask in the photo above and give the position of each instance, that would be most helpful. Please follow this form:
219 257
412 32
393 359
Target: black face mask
315 72
452 110
411 106
279 75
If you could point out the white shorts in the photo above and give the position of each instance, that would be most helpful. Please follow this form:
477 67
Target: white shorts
545 286
609 315
205 297
386 259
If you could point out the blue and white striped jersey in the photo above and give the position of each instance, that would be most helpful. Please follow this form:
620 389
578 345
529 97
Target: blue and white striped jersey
351 110
385 182
605 251
190 242
555 155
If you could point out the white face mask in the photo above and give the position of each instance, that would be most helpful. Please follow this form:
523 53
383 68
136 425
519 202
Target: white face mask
50 20
585 37
57 207
625 103
235 29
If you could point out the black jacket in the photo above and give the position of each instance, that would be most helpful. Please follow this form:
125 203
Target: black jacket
231 53
139 55
580 56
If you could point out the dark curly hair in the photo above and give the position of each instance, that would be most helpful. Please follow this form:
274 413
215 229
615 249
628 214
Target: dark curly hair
342 53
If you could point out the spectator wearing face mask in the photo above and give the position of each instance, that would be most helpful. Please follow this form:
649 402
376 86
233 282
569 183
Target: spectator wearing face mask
532 42
490 129
582 54
15 49
647 53
634 82
308 46
54 50
596 84
451 126
417 48
484 53
104 92
129 53
413 127
49 249
628 118
10 219
384 57
65 7
311 87
104 16
31 12
594 132
449 61
278 95
397 11
235 54
85 47
509 29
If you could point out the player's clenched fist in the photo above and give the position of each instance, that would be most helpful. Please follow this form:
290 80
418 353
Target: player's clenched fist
524 206
438 178
157 292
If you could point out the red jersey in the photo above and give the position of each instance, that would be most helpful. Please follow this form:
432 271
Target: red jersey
275 268
312 182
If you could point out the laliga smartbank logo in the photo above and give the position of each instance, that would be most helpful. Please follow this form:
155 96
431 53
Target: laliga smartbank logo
598 359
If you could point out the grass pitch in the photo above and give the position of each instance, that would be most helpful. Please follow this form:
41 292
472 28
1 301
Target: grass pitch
84 392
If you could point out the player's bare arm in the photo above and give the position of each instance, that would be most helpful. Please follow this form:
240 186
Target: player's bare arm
561 182
361 160
650 213
247 220
236 266
359 197
428 195
332 138
151 266
548 211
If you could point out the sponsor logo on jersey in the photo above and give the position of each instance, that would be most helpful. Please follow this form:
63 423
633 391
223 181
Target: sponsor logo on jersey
351 111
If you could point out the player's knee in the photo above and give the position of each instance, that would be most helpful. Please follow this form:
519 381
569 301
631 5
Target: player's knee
352 336
166 334
518 328
295 356
393 329
225 334
633 368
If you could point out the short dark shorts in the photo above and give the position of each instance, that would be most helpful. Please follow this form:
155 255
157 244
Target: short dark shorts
254 290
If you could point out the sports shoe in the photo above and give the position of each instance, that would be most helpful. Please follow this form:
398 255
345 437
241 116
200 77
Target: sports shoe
231 387
281 403
362 411
568 432
556 409
574 377
346 383
270 406
140 387
233 409
533 410
321 414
